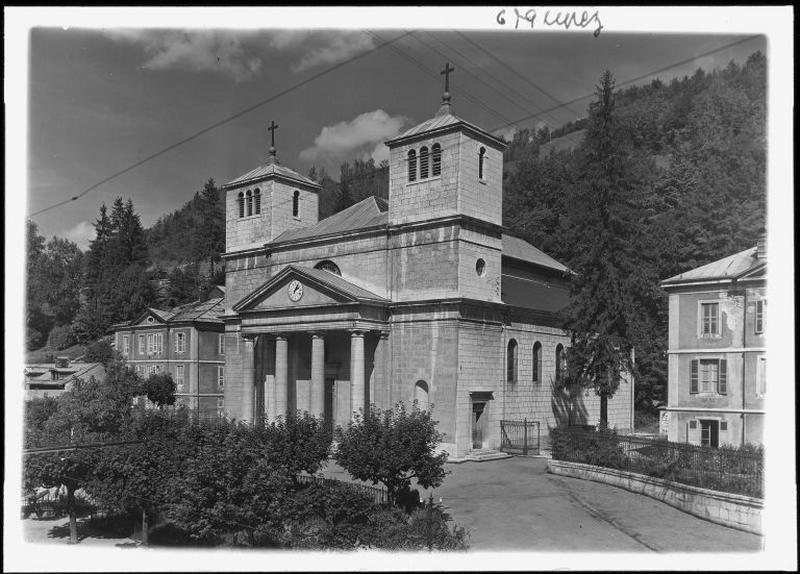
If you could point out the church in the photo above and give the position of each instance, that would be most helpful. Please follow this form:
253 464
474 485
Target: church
424 297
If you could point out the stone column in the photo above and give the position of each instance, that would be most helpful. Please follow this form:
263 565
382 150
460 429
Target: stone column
317 375
385 367
248 379
281 375
356 371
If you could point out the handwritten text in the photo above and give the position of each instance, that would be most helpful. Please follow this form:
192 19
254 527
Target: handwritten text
551 19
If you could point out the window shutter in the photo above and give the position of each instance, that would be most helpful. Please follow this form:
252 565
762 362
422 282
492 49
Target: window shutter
693 384
723 377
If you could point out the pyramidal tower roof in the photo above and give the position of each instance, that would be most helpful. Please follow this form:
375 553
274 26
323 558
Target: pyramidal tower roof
272 168
443 120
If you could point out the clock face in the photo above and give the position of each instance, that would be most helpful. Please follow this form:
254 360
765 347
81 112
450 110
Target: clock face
295 290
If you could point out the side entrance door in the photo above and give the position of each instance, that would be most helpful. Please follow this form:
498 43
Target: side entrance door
478 424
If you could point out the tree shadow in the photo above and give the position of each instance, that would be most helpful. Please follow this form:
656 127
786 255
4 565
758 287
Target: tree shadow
567 405
87 528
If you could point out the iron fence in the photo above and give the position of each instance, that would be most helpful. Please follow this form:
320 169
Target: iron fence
378 494
522 437
725 469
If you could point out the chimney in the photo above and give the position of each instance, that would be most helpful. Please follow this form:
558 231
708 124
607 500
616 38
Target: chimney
761 246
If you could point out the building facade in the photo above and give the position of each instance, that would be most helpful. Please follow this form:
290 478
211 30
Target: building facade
54 379
717 353
422 297
188 343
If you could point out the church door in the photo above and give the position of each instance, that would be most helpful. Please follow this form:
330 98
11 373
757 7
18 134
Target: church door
478 424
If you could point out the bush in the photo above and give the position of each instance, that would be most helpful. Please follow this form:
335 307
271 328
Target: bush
160 389
61 337
392 447
600 447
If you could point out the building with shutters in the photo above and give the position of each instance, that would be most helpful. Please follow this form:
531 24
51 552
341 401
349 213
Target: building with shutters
717 354
422 297
188 342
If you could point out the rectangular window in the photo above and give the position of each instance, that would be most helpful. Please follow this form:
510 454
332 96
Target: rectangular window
761 376
126 345
179 378
141 344
221 376
150 343
220 406
180 343
159 343
761 308
221 343
709 376
710 316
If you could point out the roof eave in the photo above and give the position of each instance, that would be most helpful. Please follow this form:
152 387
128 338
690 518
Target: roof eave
444 129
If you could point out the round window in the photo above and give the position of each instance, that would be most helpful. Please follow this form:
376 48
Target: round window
480 267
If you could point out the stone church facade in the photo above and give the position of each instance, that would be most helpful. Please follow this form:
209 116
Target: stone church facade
425 297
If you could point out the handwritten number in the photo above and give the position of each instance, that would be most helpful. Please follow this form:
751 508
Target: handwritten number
500 19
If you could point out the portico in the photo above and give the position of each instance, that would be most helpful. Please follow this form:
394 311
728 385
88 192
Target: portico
318 354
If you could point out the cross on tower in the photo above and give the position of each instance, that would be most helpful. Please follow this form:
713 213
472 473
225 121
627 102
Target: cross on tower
272 127
446 74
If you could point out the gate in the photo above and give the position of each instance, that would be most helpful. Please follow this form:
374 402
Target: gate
520 437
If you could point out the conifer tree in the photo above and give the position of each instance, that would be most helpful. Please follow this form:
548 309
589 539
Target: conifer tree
608 310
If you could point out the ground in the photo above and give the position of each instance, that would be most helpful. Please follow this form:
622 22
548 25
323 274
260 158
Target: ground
514 504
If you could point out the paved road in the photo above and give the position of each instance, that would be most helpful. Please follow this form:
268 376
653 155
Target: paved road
514 504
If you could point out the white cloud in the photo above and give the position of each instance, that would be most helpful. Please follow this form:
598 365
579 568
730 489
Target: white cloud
204 50
81 234
361 137
506 133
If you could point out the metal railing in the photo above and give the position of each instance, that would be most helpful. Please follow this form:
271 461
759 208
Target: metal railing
723 469
522 437
378 494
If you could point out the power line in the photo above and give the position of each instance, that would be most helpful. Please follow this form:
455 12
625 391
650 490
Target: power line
220 123
67 448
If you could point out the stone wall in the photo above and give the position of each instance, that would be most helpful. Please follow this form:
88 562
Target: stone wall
733 510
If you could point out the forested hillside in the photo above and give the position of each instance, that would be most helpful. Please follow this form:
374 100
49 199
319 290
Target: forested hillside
695 148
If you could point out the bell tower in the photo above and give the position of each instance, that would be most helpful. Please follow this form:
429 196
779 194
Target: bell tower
267 201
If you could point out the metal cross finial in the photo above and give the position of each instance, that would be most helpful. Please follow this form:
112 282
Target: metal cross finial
446 74
272 127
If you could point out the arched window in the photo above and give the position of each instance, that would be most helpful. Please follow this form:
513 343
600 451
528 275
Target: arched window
249 201
296 203
436 152
421 395
561 362
511 358
481 162
328 266
537 362
412 165
423 162
241 204
257 197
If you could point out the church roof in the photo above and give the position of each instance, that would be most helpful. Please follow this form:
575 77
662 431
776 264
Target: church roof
270 170
443 120
342 285
518 248
369 212
731 267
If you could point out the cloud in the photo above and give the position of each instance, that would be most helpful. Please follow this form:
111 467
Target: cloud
81 234
321 48
203 50
361 137
506 133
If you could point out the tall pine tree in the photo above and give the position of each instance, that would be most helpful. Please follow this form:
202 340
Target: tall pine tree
612 290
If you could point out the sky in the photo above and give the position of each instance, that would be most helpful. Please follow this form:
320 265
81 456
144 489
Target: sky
101 100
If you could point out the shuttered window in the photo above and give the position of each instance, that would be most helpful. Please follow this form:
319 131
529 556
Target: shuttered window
437 159
709 376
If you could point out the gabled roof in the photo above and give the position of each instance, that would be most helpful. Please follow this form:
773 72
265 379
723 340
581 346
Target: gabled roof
321 279
518 248
204 312
270 170
442 121
734 266
370 212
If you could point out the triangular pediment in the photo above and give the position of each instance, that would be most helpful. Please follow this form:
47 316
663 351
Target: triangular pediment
150 317
302 287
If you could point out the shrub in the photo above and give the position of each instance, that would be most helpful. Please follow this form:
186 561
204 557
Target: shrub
297 443
160 389
600 447
392 447
61 337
